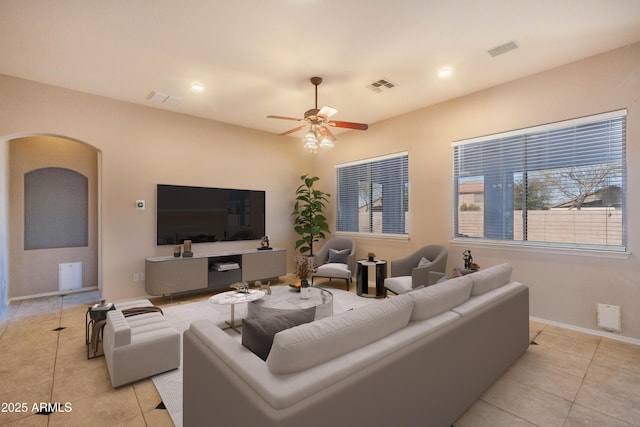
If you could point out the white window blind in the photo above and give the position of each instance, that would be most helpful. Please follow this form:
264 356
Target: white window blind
372 195
561 184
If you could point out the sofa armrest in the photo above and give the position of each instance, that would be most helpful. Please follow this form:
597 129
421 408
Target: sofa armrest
119 328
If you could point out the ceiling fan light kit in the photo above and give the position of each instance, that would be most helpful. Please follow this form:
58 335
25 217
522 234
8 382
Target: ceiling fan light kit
318 121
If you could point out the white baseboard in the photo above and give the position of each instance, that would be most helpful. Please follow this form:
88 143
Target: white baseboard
588 331
55 293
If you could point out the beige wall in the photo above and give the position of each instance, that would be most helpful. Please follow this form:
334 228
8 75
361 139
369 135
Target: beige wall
142 147
564 288
36 271
4 224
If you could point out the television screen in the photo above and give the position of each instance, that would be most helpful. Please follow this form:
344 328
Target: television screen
204 214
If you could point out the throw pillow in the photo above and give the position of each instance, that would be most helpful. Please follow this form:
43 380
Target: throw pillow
423 262
257 334
340 257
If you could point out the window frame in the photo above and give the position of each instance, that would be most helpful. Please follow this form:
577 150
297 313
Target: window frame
613 251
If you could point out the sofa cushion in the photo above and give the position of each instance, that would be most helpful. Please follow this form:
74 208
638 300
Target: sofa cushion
257 333
311 344
491 278
433 300
339 256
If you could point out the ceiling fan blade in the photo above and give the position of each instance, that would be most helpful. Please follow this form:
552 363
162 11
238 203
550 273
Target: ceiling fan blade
348 125
284 118
293 130
326 112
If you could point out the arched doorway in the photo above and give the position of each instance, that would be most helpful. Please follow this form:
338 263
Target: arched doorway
53 215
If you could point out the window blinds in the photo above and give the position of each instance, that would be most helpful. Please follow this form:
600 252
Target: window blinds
372 195
561 184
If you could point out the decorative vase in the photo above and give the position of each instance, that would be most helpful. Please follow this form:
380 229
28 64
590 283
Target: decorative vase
304 289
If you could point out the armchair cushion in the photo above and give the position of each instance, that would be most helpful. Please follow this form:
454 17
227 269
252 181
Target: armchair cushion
398 285
339 256
333 269
257 334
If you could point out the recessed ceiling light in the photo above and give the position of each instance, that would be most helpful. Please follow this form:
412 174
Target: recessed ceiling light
445 72
197 87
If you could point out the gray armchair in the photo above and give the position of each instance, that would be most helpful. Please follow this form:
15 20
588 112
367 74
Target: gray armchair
406 274
336 266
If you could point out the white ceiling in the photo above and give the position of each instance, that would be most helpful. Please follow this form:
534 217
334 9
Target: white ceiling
255 57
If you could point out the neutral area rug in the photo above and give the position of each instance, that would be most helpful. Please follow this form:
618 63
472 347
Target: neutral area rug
169 384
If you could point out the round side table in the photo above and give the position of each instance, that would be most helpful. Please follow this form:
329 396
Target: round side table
362 287
232 298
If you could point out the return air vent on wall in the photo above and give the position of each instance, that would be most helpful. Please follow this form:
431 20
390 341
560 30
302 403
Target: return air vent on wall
381 85
504 48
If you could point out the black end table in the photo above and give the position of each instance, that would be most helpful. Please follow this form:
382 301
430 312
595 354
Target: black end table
95 318
362 285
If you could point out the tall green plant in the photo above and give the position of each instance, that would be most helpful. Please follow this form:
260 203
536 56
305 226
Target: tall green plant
310 222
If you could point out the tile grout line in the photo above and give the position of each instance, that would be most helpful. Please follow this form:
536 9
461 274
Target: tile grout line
573 402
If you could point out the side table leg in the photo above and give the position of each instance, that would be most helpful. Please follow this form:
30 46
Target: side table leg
232 323
381 274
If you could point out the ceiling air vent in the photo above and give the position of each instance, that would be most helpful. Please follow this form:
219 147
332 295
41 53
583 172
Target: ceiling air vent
163 98
499 50
381 85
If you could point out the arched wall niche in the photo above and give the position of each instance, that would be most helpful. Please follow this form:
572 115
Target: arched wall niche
34 265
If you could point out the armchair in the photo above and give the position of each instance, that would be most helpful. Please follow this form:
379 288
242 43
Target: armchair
409 273
336 266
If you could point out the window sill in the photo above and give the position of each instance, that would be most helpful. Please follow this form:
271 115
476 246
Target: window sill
555 250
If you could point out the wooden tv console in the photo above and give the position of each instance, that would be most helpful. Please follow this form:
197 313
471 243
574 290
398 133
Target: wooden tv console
169 275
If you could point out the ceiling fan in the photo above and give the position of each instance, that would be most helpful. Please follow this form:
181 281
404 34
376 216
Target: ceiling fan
318 122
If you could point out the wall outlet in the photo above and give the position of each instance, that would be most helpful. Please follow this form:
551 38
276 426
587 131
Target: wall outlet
136 277
142 277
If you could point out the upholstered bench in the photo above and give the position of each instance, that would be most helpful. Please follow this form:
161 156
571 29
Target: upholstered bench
140 345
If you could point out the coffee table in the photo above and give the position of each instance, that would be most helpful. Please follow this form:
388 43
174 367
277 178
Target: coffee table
283 299
232 298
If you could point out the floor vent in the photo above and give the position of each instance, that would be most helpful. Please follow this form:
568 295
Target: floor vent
381 85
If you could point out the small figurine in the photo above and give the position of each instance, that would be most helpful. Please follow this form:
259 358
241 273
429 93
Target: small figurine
264 243
264 287
468 259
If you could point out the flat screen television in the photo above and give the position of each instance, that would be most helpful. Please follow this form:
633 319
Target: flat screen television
203 214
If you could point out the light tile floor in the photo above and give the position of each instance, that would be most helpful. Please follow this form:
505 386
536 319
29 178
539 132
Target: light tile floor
568 379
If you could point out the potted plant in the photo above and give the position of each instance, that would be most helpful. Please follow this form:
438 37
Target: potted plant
308 210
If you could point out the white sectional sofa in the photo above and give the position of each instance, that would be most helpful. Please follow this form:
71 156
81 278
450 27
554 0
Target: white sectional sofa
139 346
418 359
